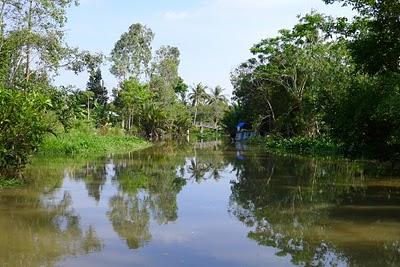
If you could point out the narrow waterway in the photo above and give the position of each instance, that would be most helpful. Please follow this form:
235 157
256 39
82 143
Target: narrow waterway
208 204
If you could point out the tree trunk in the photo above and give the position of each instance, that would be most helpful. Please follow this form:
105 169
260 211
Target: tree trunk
28 47
88 108
195 116
3 5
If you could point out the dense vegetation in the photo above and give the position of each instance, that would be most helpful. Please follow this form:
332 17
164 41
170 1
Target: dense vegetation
329 79
150 101
332 80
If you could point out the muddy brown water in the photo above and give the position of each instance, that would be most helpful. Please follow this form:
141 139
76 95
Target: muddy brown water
202 205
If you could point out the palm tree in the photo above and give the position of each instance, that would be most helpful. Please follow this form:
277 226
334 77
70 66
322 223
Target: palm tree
197 97
153 120
218 102
198 170
216 96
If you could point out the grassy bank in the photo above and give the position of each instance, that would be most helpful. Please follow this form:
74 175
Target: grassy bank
300 145
84 144
77 143
10 183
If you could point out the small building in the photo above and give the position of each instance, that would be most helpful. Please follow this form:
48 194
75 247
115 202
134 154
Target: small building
244 132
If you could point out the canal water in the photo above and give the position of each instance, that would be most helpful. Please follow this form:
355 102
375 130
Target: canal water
207 204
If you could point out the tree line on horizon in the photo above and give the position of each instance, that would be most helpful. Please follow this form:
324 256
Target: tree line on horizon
151 99
327 78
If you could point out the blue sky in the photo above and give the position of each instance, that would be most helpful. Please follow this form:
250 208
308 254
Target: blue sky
213 36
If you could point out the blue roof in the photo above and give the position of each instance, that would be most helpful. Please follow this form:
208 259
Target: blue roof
241 124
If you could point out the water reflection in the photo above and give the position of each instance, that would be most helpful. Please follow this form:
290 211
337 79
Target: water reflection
321 213
39 231
130 219
307 212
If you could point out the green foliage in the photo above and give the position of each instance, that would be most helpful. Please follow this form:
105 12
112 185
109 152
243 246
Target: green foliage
231 118
151 100
67 105
35 28
85 140
367 118
23 125
198 97
286 87
206 135
130 101
164 75
181 89
375 35
96 85
326 77
132 53
302 145
150 108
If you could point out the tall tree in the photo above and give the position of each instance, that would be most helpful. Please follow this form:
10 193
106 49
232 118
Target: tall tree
366 117
130 101
181 89
164 74
132 53
40 24
198 96
218 103
96 85
216 95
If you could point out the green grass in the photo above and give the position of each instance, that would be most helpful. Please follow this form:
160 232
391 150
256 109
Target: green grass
79 142
10 183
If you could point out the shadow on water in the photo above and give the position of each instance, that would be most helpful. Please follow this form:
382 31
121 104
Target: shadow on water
313 212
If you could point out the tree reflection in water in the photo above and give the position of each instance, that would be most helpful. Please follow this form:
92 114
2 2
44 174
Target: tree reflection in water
147 188
318 212
130 219
41 231
149 184
305 208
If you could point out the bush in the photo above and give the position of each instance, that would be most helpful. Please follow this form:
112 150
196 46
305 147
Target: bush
206 135
367 119
23 126
303 145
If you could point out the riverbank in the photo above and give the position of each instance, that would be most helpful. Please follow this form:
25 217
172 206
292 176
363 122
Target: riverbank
323 147
78 145
90 143
300 145
10 183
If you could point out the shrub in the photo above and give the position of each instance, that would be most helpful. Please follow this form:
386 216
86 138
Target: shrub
303 145
23 125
